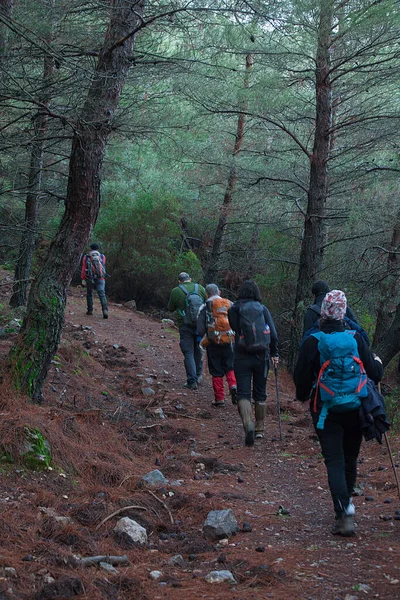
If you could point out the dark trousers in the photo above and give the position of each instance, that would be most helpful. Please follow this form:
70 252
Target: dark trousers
219 359
100 286
340 441
251 371
192 355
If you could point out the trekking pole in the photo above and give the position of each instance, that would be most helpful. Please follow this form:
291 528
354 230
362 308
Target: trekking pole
390 454
278 402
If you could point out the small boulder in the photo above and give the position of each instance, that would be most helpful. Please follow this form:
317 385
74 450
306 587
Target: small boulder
153 478
131 305
220 524
220 577
131 531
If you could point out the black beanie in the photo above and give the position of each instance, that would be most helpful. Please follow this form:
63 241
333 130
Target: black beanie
320 287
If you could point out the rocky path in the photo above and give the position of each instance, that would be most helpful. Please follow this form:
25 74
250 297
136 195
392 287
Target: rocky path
114 410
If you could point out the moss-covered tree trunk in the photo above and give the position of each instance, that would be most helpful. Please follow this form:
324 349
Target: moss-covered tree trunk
31 355
311 253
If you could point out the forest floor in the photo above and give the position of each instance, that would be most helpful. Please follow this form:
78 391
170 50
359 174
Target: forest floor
105 433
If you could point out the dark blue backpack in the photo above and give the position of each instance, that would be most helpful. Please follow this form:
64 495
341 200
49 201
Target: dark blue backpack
342 380
255 334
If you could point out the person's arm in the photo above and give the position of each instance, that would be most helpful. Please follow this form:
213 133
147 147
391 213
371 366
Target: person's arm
83 269
201 321
273 346
306 368
233 317
309 319
173 301
372 365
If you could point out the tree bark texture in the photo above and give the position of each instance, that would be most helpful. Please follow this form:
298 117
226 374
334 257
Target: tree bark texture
389 345
225 210
388 290
311 253
31 355
6 9
27 245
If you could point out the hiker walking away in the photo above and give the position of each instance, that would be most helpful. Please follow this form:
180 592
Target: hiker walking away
319 289
256 341
185 300
217 338
93 275
332 371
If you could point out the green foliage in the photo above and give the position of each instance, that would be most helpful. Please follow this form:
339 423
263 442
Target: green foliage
141 239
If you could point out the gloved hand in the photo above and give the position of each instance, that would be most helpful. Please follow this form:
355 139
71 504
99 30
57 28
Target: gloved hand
275 361
83 283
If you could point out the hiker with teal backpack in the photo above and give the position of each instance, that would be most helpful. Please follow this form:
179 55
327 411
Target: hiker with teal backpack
185 300
332 371
93 274
256 343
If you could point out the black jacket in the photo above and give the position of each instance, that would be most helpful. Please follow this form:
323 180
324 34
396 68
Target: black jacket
313 313
308 362
234 320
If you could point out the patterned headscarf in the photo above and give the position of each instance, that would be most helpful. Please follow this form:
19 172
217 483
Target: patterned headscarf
334 305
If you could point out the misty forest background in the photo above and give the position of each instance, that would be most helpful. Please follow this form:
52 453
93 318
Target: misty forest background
229 139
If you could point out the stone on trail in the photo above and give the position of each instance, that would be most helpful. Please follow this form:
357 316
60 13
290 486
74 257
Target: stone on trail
220 577
220 524
177 560
153 478
131 531
131 305
147 391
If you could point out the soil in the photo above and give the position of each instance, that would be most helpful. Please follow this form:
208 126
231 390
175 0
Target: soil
105 433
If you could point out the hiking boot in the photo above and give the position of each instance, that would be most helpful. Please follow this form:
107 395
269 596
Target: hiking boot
259 435
89 312
233 393
260 411
218 403
343 525
105 314
190 386
199 379
244 408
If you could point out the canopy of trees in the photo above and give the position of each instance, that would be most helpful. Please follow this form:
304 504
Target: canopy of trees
232 139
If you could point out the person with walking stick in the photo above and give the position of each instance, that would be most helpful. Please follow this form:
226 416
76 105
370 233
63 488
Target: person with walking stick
332 371
256 342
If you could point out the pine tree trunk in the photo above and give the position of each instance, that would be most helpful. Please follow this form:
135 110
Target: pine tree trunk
27 245
225 210
31 355
388 289
389 345
311 253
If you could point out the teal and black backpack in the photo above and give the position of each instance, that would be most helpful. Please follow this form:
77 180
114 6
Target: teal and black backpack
342 380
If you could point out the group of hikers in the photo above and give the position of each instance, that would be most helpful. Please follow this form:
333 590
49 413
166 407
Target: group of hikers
335 371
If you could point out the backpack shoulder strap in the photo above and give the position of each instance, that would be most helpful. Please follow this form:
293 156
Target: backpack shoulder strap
183 289
196 288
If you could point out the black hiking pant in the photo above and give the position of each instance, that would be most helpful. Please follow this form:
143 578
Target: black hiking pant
340 441
251 372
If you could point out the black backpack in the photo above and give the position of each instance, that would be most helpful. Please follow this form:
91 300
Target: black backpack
255 334
193 303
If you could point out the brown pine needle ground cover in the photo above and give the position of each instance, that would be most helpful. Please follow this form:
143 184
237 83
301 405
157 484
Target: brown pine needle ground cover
105 434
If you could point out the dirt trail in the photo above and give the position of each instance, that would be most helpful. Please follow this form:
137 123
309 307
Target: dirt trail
201 447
